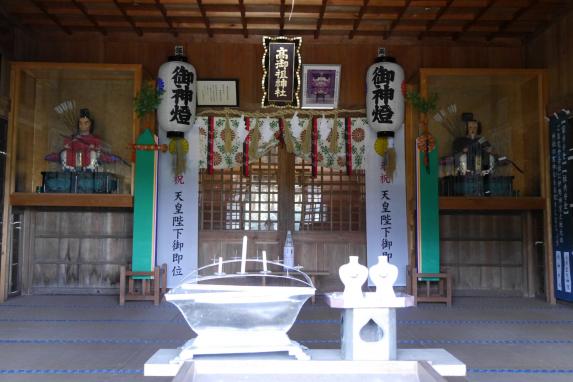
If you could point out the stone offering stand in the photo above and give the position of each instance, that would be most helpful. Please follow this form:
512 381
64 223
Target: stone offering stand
368 344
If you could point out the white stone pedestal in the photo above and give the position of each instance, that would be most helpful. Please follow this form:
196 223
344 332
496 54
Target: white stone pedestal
369 325
445 364
369 334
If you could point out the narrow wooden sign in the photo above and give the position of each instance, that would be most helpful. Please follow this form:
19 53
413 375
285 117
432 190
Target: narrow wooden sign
428 211
144 205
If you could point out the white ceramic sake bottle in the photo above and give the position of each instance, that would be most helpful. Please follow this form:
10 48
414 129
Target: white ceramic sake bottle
353 275
384 275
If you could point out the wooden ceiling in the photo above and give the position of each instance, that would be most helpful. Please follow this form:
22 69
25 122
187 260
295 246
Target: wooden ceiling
418 19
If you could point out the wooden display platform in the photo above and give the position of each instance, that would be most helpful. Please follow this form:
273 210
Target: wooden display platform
148 286
464 203
31 199
444 290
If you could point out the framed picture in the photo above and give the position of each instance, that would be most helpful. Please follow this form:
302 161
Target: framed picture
281 71
320 85
218 92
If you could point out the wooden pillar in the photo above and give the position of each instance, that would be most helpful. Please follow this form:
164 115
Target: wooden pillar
286 178
528 251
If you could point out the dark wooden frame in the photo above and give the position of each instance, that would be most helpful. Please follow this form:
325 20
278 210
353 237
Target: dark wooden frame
270 43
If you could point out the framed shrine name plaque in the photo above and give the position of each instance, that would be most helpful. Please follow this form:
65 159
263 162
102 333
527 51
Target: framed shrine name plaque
218 92
281 71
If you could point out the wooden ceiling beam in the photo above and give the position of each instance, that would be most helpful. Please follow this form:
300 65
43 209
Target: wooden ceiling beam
320 18
439 15
91 19
515 17
204 16
52 17
562 12
484 19
478 15
128 18
282 18
163 11
243 18
10 19
395 22
358 19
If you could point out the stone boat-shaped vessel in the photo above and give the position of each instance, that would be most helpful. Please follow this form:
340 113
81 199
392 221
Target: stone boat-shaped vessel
242 312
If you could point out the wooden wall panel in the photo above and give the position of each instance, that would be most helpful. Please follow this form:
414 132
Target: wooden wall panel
75 250
235 58
231 58
484 253
315 251
553 49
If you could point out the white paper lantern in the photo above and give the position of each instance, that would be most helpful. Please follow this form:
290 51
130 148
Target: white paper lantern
177 111
385 88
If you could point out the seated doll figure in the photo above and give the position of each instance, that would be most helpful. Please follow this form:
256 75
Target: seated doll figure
473 152
82 151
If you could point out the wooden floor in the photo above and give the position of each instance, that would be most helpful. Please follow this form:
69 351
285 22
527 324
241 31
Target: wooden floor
92 338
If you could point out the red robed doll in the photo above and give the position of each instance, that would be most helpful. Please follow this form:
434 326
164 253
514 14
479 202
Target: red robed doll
82 151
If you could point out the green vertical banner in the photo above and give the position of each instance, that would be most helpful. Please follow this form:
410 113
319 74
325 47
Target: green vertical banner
144 204
428 211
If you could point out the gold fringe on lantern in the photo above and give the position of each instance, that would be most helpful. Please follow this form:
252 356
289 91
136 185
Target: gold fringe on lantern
228 134
390 162
381 145
179 147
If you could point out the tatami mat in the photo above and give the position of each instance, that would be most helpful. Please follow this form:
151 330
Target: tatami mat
92 338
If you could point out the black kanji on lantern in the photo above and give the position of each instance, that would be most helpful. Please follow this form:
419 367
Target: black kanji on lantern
182 79
181 114
382 75
382 114
183 94
382 94
182 76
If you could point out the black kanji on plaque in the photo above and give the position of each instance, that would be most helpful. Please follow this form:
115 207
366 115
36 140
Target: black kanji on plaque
182 78
382 94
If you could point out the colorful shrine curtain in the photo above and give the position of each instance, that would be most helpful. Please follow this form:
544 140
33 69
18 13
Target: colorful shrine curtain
234 142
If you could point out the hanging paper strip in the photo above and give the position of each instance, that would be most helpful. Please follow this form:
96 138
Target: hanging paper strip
428 219
348 136
177 211
246 148
386 226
